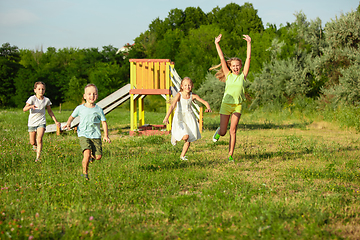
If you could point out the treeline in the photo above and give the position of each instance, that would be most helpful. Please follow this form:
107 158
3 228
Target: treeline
300 60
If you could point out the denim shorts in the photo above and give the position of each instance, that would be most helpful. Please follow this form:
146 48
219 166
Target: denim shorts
34 129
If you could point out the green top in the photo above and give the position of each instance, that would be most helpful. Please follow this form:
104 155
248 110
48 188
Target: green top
234 89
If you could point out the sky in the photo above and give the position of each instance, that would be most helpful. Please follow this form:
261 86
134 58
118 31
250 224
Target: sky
39 24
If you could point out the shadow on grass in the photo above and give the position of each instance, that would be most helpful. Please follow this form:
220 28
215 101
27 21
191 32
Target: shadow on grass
176 164
265 125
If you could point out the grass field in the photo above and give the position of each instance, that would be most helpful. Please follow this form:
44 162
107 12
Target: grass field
293 178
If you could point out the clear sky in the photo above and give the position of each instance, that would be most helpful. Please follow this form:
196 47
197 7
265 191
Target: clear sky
32 24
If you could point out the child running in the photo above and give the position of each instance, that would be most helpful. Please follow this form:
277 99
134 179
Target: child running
234 92
184 126
89 128
37 120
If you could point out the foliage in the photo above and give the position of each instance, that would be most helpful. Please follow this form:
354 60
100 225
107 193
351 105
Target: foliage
212 91
290 74
341 59
9 67
299 60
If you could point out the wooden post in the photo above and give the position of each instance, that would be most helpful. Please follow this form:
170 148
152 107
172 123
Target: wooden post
141 111
201 119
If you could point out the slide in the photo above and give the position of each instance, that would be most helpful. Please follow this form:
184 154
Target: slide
107 104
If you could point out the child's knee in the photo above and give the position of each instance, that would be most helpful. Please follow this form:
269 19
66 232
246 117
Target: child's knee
222 133
98 157
185 137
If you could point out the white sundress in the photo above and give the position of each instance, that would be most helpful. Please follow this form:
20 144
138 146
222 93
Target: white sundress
184 122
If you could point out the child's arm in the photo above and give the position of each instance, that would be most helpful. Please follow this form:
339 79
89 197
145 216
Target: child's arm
248 55
28 106
221 55
68 123
196 97
171 108
52 115
106 133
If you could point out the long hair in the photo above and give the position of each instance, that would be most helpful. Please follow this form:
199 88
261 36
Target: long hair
220 72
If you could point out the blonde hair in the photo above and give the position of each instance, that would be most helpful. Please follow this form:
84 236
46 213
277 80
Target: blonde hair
171 99
37 83
91 85
186 78
220 72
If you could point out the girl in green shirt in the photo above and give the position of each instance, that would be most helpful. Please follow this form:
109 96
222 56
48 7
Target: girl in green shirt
234 95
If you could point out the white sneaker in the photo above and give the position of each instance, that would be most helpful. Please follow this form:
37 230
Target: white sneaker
216 135
184 158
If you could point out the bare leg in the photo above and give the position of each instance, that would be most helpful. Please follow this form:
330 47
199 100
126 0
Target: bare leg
224 120
39 141
85 161
32 138
235 117
186 145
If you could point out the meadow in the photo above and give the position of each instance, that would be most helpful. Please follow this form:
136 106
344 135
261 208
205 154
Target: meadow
294 177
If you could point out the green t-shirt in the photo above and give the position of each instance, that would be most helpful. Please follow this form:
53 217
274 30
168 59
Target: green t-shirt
234 89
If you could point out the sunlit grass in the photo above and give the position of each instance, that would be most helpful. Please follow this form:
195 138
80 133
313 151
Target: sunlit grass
292 179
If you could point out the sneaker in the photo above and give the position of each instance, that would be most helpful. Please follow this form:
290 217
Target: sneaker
216 135
37 160
173 141
34 148
86 176
231 159
184 158
91 160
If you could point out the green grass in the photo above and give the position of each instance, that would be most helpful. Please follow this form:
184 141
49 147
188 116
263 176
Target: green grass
295 178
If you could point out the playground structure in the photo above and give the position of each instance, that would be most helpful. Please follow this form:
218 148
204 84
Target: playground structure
153 77
147 77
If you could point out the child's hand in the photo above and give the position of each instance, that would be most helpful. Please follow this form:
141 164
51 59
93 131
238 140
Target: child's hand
218 38
58 124
32 106
247 38
166 121
107 139
67 126
208 110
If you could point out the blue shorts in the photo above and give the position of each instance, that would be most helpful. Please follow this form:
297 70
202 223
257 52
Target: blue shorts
34 129
228 109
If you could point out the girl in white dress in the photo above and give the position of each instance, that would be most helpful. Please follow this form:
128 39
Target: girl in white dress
185 126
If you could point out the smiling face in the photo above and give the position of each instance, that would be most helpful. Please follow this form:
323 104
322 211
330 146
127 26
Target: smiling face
235 67
186 85
91 95
39 90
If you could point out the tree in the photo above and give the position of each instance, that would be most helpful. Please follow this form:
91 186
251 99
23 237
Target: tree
341 60
9 66
197 53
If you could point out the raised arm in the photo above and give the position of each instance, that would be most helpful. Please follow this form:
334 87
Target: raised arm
248 55
221 55
171 108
